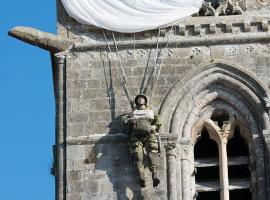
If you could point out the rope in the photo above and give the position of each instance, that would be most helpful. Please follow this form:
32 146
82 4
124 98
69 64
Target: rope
120 60
160 67
120 69
157 55
134 40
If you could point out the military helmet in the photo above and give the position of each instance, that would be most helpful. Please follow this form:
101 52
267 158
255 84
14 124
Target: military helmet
140 95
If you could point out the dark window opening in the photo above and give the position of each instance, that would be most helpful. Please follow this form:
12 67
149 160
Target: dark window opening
205 147
220 116
208 196
239 172
240 194
237 146
207 174
213 2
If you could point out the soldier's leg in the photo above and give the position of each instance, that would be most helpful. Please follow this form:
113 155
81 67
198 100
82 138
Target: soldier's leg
139 163
136 148
152 151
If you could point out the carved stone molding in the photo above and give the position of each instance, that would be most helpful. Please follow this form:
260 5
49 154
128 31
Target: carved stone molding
60 59
171 149
225 132
170 146
185 149
261 3
267 105
228 128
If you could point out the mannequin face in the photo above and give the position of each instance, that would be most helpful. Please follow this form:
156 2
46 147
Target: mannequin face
141 101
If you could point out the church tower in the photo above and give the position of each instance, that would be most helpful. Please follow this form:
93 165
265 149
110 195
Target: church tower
207 77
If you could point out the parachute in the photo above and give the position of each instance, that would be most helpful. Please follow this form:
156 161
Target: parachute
130 16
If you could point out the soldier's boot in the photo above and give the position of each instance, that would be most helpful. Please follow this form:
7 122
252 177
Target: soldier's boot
155 178
141 178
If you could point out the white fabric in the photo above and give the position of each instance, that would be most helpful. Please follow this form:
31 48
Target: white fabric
130 15
145 114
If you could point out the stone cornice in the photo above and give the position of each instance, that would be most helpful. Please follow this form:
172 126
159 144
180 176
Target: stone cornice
189 32
194 31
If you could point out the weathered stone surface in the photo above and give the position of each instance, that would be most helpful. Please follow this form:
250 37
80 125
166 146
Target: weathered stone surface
41 39
95 104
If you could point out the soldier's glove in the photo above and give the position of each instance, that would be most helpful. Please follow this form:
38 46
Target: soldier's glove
132 119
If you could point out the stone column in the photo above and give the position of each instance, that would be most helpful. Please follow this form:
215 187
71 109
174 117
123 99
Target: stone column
266 136
60 90
185 168
171 154
223 163
225 133
222 135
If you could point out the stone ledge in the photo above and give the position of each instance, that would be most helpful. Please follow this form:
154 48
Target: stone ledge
113 138
226 38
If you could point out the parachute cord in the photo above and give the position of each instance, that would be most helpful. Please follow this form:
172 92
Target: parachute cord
120 69
120 60
160 67
134 41
156 59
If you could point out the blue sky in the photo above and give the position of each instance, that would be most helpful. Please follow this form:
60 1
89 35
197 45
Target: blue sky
27 104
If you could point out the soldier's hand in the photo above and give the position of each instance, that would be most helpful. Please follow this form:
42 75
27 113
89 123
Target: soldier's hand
153 127
132 119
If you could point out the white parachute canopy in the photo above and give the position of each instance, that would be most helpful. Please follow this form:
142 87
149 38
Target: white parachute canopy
130 16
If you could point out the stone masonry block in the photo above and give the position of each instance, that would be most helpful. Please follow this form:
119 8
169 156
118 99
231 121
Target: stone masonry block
77 117
76 129
74 196
74 176
83 84
76 152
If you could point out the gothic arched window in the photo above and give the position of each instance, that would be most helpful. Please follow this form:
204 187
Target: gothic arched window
222 160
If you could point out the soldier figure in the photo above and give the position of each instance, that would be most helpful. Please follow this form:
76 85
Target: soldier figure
144 135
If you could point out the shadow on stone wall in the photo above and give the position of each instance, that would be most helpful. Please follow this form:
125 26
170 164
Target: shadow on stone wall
109 84
111 158
114 160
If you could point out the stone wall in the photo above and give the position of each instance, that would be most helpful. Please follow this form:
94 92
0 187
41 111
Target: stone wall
95 102
96 99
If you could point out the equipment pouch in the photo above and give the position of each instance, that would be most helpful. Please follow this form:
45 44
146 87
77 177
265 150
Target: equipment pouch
142 127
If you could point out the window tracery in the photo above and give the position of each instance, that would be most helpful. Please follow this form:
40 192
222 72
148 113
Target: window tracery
222 7
222 160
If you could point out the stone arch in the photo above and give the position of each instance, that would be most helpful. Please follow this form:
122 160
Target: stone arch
181 98
217 85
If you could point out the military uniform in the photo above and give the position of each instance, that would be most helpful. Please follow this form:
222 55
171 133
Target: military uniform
144 127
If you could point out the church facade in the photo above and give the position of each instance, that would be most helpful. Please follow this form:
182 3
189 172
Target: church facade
208 78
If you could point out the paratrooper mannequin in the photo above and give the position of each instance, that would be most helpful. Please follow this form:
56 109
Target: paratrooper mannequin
144 137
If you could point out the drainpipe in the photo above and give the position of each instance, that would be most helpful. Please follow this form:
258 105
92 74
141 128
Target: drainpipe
60 92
